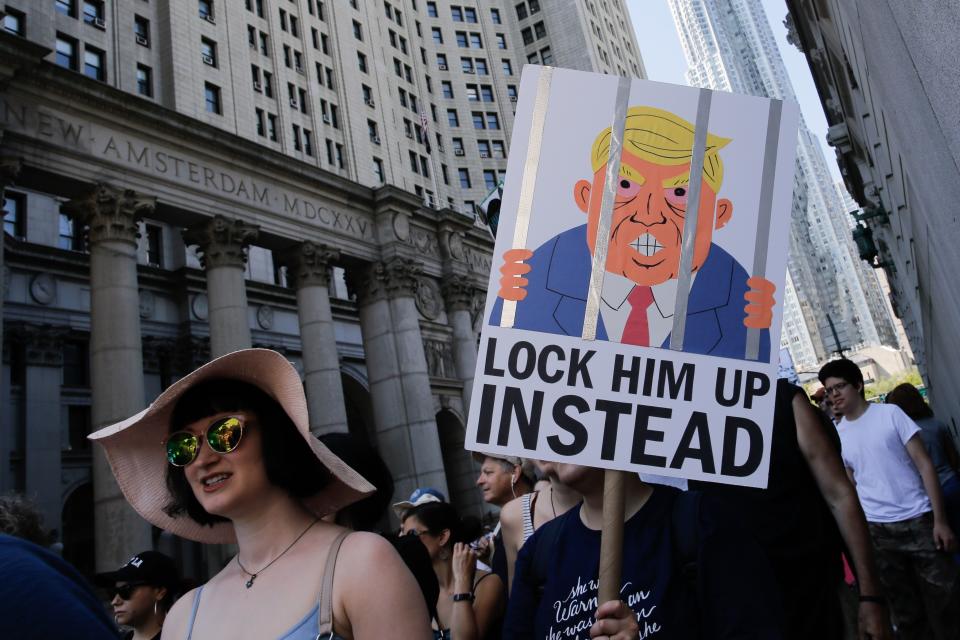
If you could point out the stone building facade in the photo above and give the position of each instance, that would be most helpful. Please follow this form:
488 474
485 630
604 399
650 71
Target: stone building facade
182 179
889 95
380 312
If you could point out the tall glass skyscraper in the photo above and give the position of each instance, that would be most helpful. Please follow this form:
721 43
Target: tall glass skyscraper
729 46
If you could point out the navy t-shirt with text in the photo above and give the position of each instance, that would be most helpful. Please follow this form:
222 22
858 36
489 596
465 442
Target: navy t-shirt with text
729 595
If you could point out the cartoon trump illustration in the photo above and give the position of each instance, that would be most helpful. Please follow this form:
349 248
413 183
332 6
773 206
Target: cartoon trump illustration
643 260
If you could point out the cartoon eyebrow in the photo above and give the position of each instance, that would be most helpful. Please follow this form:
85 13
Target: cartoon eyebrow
628 172
681 180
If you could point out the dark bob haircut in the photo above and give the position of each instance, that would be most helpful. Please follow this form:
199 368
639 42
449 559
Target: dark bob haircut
437 516
907 397
289 462
844 369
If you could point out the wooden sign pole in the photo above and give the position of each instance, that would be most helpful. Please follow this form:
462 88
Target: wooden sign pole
611 536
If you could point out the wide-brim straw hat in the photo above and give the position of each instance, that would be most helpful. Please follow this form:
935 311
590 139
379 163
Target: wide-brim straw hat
134 447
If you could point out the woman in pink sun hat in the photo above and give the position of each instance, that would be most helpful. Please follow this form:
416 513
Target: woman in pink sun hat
225 455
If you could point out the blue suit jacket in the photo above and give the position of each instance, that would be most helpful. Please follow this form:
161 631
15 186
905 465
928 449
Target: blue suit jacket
557 298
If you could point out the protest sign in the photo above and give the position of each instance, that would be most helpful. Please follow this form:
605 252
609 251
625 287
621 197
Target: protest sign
633 328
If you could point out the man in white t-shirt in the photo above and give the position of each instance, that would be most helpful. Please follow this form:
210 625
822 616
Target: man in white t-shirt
901 498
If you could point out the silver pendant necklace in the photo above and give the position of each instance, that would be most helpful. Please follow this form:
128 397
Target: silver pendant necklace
253 575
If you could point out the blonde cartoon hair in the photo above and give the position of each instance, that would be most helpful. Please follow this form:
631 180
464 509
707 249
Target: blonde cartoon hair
662 138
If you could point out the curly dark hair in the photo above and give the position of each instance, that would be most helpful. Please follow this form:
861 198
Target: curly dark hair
846 370
289 462
20 518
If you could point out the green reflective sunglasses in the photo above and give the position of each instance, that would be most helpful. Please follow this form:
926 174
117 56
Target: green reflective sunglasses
223 436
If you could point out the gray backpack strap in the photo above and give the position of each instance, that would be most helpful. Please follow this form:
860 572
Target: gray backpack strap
325 611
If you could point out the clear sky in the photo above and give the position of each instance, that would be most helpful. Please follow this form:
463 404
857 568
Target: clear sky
664 61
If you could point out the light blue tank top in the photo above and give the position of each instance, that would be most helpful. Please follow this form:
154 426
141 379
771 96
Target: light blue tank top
306 629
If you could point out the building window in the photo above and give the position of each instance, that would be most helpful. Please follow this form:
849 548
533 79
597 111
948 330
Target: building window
261 122
15 22
507 67
308 142
357 31
462 39
466 64
15 215
144 81
498 149
69 239
205 9
495 16
378 171
470 15
486 93
478 121
539 30
212 98
534 6
272 126
501 41
141 30
154 245
437 34
432 9
521 11
362 62
527 34
268 84
67 7
464 174
493 121
296 138
264 44
546 56
452 119
481 67
76 364
446 88
442 61
208 51
93 64
490 179
66 52
475 41
93 12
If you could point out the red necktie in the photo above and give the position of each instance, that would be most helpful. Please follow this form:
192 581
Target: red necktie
636 330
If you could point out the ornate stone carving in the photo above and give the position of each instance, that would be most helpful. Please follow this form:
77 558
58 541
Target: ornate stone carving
401 226
439 356
458 294
428 298
200 306
425 242
110 213
479 303
222 242
265 317
479 262
191 352
158 352
148 304
9 169
309 264
43 288
793 36
393 278
42 343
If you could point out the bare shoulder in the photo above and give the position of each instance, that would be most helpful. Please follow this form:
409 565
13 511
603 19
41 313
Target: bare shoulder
511 515
178 619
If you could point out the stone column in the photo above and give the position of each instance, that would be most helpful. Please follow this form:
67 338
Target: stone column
43 355
223 253
309 266
403 407
458 297
9 168
116 360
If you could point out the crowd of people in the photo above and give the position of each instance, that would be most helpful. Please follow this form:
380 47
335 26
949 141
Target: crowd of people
871 487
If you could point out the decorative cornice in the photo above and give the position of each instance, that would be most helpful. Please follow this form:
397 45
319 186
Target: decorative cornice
110 213
222 242
397 277
42 343
458 295
9 169
308 264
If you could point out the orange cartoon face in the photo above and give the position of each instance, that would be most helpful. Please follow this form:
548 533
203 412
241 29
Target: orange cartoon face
648 218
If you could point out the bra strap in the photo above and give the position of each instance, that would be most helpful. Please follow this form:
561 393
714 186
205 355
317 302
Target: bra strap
325 610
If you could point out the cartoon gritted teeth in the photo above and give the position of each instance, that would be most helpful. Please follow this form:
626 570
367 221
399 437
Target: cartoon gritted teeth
646 245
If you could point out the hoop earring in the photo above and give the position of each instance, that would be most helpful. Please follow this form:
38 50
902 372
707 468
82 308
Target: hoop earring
513 486
155 608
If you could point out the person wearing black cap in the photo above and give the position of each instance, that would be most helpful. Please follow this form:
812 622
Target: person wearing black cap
143 591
